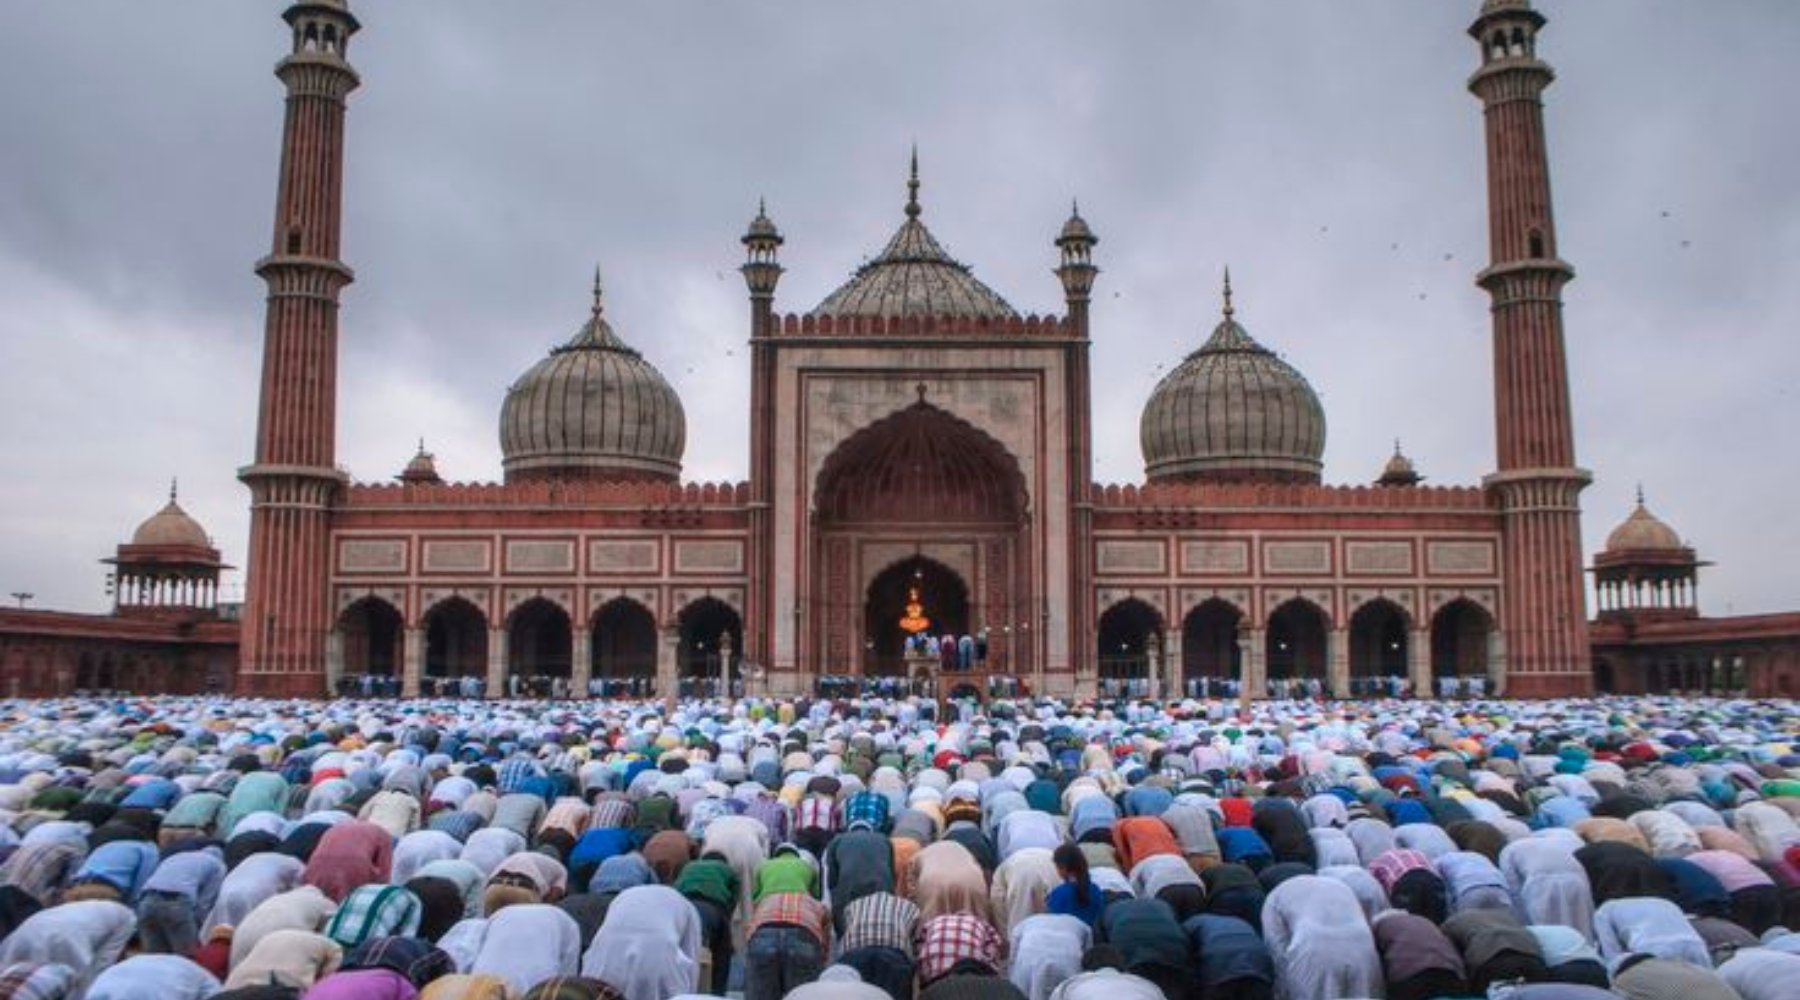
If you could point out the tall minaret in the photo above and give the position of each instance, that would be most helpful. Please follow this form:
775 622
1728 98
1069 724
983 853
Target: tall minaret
1077 272
1538 486
287 615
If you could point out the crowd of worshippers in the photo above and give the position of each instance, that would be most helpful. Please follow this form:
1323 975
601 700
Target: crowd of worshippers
183 849
952 652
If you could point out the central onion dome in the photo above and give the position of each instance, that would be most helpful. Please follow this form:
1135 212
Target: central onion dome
171 526
914 276
1643 532
595 410
1233 412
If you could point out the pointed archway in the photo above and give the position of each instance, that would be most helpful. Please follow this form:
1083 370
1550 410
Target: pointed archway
708 626
943 601
1461 634
1210 653
924 480
373 636
456 640
1125 637
539 647
1297 641
624 650
1380 637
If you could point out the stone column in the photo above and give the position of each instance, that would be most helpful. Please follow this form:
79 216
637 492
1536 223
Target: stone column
581 662
1250 645
1496 662
667 675
1418 661
1153 654
334 661
412 655
1167 669
1337 663
725 652
496 664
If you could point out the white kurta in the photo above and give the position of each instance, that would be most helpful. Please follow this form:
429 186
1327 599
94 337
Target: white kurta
1548 884
1046 951
87 936
1321 945
1648 926
256 879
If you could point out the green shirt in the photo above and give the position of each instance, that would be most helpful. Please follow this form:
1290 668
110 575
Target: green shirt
711 880
785 873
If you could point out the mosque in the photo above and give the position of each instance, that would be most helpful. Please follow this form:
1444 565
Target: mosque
920 460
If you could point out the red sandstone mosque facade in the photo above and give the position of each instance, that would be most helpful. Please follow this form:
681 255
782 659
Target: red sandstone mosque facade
914 440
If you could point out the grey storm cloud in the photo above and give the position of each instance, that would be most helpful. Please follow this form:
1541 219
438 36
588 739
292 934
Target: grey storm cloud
1328 153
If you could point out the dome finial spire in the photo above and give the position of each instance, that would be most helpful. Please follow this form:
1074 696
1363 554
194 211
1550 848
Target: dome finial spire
599 293
1640 494
912 186
1229 311
174 488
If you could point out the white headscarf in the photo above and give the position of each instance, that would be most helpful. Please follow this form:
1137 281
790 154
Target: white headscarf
527 943
648 946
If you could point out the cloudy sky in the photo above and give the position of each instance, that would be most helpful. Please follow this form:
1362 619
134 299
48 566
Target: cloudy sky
1328 152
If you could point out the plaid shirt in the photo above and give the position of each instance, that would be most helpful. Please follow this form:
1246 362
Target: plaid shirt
26 981
879 920
372 911
795 909
612 814
816 812
867 807
1391 865
952 938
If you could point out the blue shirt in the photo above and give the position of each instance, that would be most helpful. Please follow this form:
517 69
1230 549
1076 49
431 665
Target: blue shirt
1062 900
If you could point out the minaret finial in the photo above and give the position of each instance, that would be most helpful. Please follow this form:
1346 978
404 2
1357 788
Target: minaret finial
421 444
1640 494
1229 311
1397 446
174 485
912 186
599 305
1075 207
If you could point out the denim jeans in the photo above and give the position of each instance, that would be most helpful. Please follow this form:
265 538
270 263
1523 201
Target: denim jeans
887 969
778 958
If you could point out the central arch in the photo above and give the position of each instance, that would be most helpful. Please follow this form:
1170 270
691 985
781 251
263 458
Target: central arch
943 599
924 480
